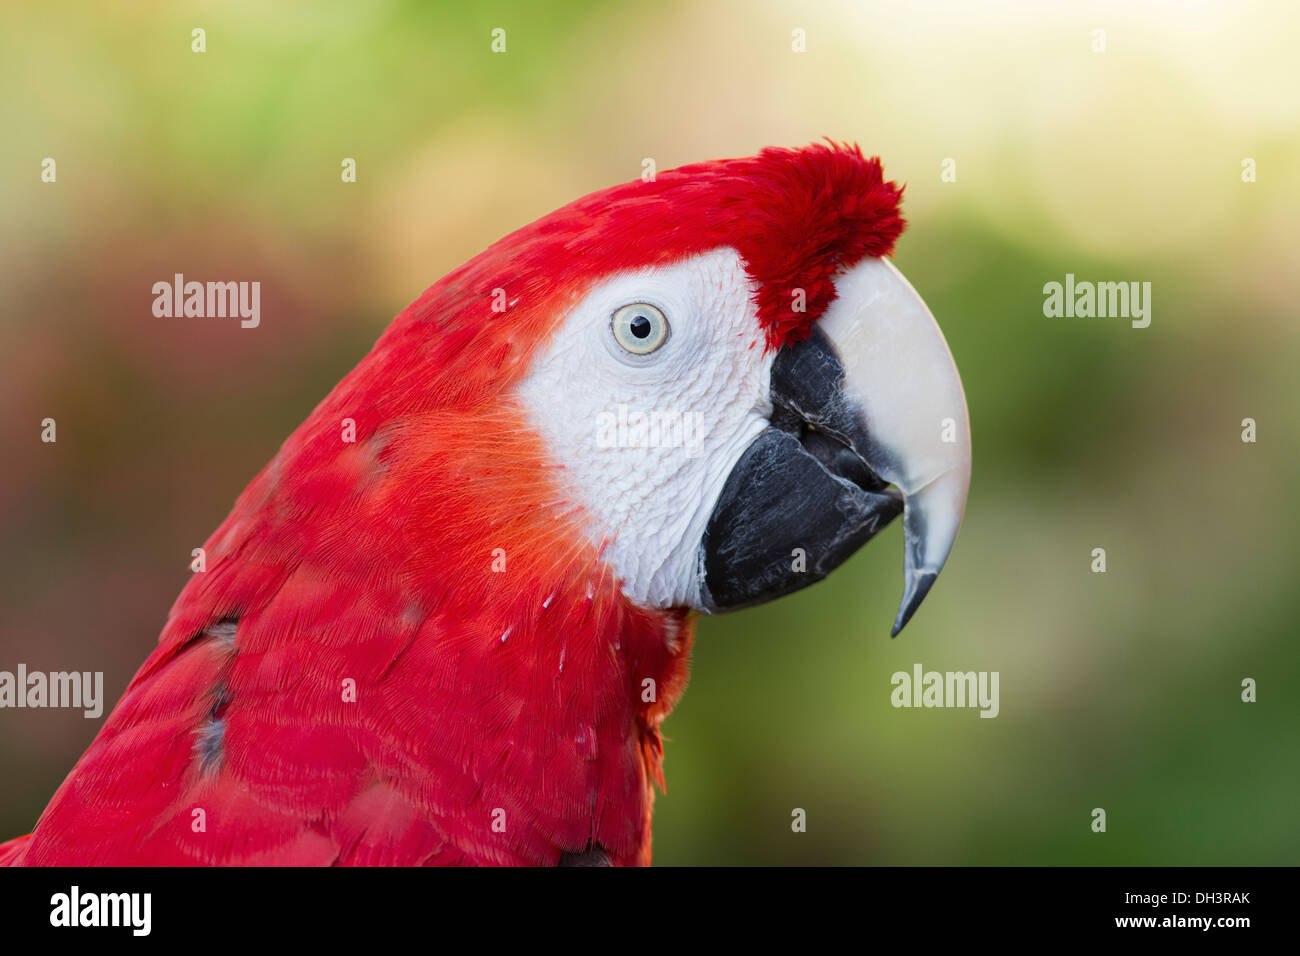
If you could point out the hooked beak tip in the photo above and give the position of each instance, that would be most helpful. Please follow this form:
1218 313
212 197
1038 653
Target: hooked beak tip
917 587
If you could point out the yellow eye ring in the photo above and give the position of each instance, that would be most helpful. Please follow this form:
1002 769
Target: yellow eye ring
639 328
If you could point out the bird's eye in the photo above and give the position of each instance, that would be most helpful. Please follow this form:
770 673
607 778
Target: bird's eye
640 328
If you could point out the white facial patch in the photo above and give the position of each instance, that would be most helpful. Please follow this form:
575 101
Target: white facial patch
645 442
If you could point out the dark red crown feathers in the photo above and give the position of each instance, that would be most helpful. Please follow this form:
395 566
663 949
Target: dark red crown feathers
798 216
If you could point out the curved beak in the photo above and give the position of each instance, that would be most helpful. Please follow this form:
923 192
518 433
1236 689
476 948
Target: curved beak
870 400
901 377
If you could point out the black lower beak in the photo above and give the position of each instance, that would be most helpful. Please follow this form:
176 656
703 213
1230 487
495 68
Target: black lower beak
802 497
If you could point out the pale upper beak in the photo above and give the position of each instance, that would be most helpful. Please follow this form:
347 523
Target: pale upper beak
900 375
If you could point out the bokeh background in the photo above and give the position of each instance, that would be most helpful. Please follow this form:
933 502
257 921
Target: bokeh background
1118 690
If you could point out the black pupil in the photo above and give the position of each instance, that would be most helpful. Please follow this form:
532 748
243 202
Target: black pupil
640 327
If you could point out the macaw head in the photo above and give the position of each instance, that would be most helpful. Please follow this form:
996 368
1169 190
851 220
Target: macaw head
704 389
728 385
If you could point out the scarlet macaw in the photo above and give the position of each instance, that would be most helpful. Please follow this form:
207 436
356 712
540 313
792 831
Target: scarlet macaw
445 623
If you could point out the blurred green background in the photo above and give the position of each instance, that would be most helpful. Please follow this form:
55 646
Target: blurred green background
1118 690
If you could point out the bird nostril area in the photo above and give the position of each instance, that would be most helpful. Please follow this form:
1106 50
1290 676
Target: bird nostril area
838 458
825 443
